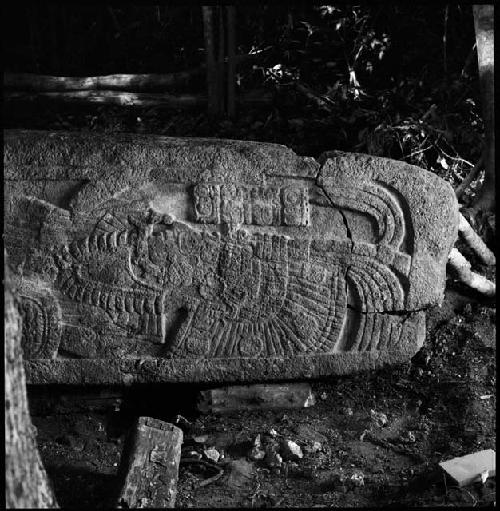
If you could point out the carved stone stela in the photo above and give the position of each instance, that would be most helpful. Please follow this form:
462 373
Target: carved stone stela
154 259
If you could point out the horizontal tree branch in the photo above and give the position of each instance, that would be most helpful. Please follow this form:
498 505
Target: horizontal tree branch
108 97
46 83
122 81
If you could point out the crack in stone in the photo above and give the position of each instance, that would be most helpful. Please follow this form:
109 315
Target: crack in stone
389 313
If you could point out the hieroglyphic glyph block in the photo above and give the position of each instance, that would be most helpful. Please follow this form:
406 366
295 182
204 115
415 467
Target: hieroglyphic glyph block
148 259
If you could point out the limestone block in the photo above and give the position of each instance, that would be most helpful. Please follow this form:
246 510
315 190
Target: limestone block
471 468
153 259
256 397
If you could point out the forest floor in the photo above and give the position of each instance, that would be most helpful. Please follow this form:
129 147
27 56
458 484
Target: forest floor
438 406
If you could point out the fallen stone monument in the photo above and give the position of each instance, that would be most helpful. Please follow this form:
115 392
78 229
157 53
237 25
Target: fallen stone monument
153 259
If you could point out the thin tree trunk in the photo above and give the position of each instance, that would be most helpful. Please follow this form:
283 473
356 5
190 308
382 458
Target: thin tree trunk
54 39
26 483
483 25
208 32
221 77
231 63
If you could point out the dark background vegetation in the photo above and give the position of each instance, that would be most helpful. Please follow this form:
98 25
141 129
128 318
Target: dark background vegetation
398 80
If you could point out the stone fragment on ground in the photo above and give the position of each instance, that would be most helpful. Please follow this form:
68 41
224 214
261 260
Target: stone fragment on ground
257 453
150 465
256 397
146 259
379 418
471 468
291 451
212 454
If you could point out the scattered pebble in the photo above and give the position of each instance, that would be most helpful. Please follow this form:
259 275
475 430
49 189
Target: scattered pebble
212 454
409 437
379 418
291 451
347 411
201 439
358 479
273 460
323 396
316 447
256 453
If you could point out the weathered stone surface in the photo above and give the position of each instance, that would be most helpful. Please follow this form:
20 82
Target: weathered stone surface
150 259
150 465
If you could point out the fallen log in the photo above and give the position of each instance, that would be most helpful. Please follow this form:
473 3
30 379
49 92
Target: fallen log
150 465
47 83
120 81
108 97
475 242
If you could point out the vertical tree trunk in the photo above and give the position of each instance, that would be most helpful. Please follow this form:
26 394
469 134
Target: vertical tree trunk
208 31
231 63
26 483
483 25
221 76
54 39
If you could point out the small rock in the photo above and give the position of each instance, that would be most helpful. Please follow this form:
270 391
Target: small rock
316 447
323 396
212 454
201 439
379 418
257 453
273 433
357 479
291 451
273 460
347 411
408 438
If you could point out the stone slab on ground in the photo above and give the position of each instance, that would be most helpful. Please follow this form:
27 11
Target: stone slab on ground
154 259
150 465
256 397
471 468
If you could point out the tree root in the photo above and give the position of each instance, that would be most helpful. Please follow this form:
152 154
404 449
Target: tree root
471 176
475 242
470 278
